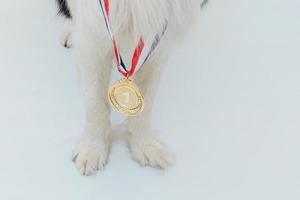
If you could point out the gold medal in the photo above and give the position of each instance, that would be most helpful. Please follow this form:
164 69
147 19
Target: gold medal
126 97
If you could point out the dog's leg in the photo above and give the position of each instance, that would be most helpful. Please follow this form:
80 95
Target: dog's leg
92 152
145 147
94 65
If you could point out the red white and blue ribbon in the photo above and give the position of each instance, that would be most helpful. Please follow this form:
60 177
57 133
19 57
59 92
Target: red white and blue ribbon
142 51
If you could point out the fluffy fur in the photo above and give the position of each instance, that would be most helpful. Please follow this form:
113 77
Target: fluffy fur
63 8
130 19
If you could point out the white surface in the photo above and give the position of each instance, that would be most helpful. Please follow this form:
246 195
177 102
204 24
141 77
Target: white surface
228 107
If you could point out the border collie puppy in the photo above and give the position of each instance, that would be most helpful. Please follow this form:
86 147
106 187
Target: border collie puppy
130 20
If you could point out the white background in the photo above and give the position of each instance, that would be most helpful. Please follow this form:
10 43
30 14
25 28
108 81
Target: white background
228 107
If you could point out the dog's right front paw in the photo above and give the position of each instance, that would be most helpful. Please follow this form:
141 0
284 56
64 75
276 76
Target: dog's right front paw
91 155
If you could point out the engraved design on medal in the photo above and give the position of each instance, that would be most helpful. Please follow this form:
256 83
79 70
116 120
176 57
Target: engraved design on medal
125 96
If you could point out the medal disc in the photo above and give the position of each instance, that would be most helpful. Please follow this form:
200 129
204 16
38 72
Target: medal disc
126 97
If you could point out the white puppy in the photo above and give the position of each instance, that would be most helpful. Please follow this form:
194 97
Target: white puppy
130 20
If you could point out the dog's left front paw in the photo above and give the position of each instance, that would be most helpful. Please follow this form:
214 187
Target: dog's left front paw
149 151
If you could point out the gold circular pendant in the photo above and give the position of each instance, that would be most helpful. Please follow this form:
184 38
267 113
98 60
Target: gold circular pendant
126 97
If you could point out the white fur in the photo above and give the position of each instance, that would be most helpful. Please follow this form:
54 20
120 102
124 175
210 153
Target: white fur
130 19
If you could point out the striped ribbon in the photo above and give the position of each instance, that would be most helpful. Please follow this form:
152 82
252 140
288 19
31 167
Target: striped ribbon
142 51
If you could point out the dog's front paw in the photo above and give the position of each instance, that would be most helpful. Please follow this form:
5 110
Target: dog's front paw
91 155
148 151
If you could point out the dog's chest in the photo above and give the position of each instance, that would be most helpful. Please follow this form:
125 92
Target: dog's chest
129 19
132 19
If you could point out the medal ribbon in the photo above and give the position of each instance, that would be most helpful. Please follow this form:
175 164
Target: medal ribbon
139 52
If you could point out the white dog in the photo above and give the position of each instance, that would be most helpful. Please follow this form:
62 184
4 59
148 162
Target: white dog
130 20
